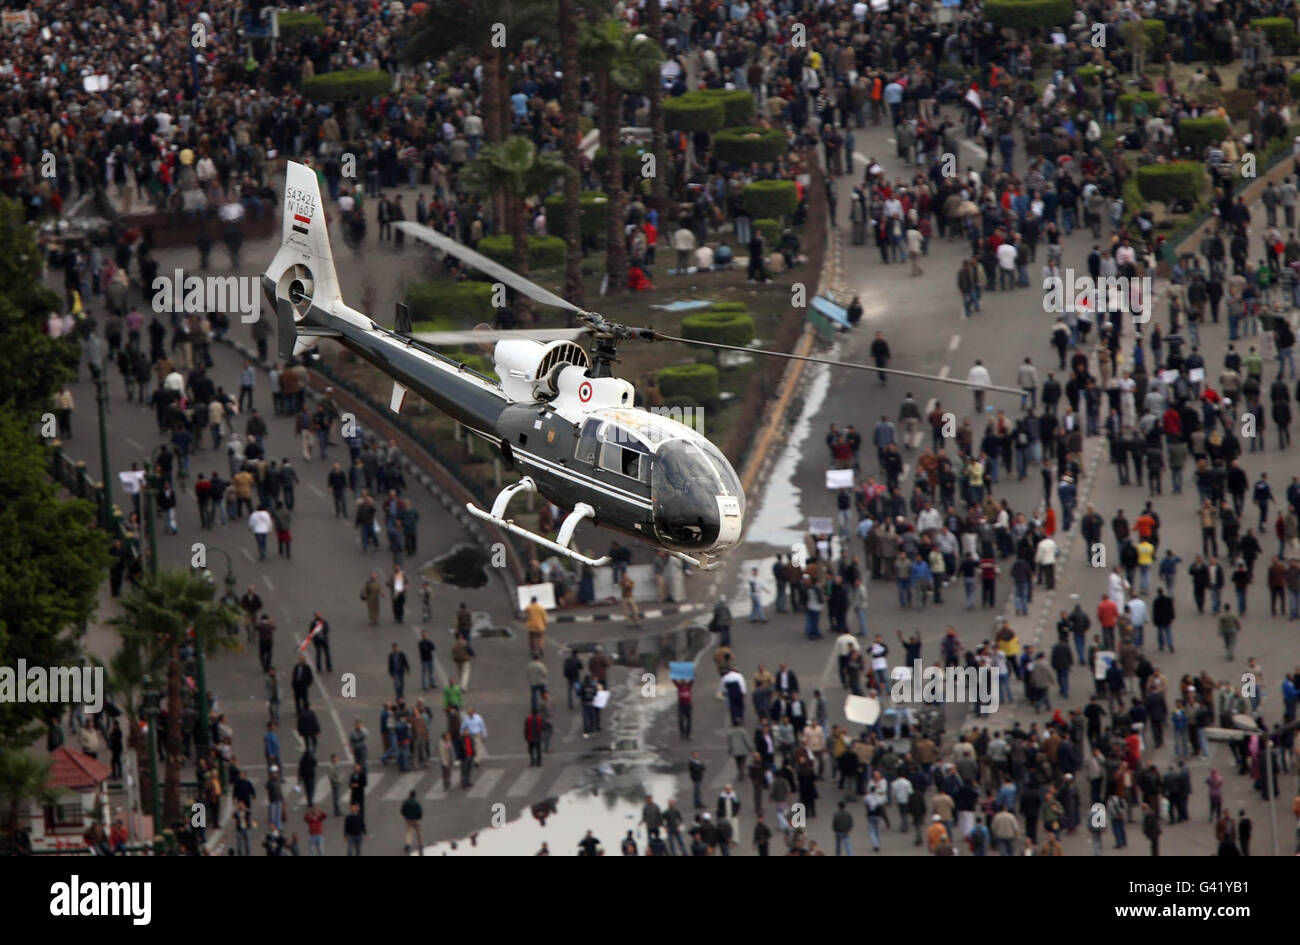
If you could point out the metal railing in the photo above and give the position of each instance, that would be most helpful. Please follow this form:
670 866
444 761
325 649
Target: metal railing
72 475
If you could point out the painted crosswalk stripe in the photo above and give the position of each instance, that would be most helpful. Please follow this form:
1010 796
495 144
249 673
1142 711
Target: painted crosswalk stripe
437 792
373 778
569 778
525 783
404 784
487 780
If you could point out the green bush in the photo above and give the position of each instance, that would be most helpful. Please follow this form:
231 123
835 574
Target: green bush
294 24
544 252
1157 37
1280 32
747 145
697 383
1166 183
770 198
1090 75
347 85
1240 103
694 112
444 306
1026 16
1199 133
771 230
593 215
1126 101
738 105
729 307
631 160
720 326
1293 84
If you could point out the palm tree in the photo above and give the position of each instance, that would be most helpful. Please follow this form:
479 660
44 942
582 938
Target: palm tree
125 675
519 171
655 92
566 17
156 618
23 778
622 62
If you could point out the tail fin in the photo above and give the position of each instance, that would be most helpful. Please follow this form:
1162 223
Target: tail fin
301 280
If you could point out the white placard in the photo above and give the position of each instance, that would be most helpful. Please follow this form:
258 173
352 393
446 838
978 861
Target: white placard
839 479
601 700
820 526
132 481
1196 375
1168 377
545 594
861 710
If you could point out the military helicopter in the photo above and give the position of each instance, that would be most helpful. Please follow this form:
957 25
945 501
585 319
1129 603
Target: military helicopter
558 414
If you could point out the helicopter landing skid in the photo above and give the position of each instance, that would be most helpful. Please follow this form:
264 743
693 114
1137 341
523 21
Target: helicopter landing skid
696 562
561 545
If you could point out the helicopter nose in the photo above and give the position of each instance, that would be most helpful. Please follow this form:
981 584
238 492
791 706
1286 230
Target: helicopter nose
730 523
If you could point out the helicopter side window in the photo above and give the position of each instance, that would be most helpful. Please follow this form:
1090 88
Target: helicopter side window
588 449
621 459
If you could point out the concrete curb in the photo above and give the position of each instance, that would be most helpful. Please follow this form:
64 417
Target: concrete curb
620 618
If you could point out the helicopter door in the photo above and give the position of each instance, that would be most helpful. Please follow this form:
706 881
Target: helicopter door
621 453
588 448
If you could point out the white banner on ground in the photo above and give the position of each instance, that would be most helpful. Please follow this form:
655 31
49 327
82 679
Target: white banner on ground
545 594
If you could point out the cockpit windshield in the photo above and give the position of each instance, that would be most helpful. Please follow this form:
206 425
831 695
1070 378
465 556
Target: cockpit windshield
691 484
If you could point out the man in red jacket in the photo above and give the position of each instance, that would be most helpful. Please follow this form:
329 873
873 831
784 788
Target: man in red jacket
1107 616
533 726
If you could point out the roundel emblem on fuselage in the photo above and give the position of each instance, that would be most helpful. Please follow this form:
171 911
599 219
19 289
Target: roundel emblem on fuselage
584 391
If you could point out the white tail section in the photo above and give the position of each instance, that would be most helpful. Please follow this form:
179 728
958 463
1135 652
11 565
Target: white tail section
305 237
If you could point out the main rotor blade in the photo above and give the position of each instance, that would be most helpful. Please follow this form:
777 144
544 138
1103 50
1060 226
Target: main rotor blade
485 265
846 364
489 335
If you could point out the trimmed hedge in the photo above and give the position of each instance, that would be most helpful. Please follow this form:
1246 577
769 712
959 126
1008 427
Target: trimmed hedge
593 214
772 199
694 112
440 302
738 105
1240 103
1125 102
720 326
1029 15
1293 84
697 383
1280 32
1090 75
346 85
544 252
1200 133
631 160
771 230
1157 37
1166 183
294 24
748 145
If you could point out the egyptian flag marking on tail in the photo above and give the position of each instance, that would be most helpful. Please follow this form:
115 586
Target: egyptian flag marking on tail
305 221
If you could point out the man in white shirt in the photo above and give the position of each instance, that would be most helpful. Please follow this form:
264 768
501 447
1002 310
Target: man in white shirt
260 524
1045 558
979 374
1007 266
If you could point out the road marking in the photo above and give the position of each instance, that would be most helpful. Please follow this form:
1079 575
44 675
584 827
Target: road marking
943 371
525 783
316 489
247 554
269 585
403 785
372 779
954 343
569 778
859 156
437 792
133 444
487 780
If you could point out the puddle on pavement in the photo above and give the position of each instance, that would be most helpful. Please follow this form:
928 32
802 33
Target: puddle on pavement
463 566
779 520
609 811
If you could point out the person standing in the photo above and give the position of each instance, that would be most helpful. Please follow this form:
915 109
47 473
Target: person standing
398 667
428 679
319 634
259 523
626 588
412 814
371 592
397 588
1229 627
533 737
354 830
462 654
300 682
315 819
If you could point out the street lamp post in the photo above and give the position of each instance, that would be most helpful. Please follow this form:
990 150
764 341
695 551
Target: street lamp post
150 712
95 356
202 737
